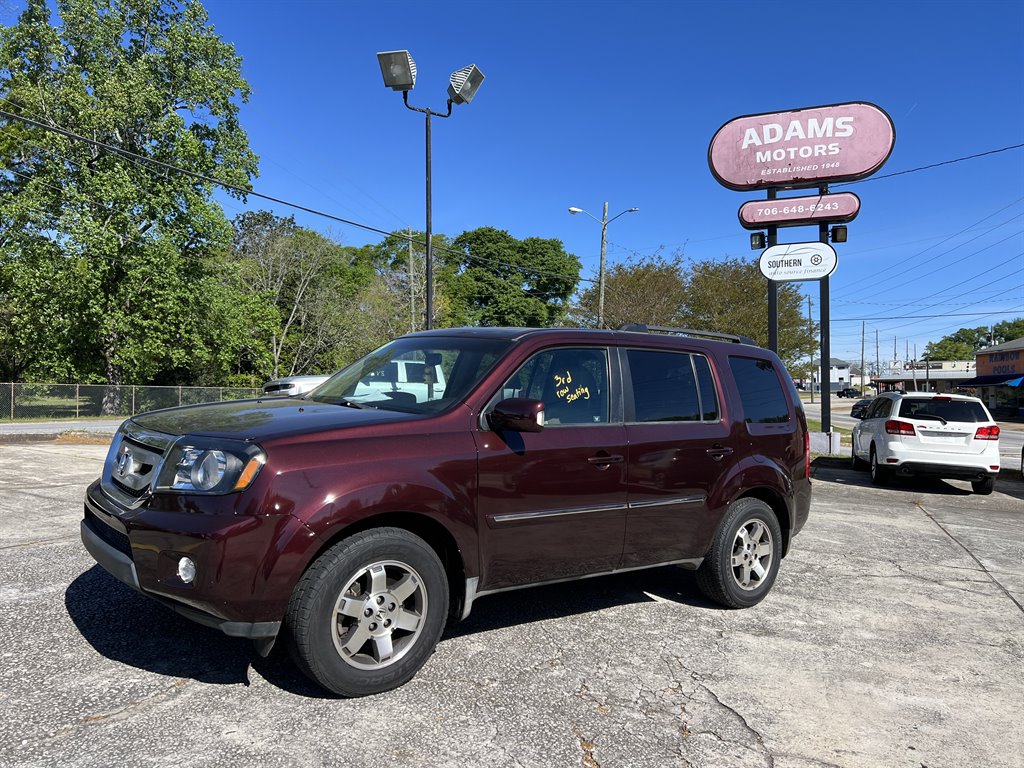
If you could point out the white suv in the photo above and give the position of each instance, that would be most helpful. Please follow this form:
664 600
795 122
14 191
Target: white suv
923 433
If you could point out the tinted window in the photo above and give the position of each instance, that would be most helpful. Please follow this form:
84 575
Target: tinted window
940 409
573 383
671 386
879 409
706 385
760 391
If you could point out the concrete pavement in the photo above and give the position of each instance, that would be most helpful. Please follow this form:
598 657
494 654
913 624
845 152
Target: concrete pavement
894 638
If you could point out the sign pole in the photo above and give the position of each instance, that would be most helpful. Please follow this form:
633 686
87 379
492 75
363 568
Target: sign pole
773 289
826 346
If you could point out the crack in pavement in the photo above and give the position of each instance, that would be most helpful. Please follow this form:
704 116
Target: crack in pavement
981 565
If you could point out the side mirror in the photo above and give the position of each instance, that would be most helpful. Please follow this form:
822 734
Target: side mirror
517 414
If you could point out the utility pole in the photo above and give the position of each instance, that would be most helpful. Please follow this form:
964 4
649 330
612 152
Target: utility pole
878 371
862 328
604 247
412 288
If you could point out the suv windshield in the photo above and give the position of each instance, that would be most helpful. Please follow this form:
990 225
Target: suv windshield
413 374
943 409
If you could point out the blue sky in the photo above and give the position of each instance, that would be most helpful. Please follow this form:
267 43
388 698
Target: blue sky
587 102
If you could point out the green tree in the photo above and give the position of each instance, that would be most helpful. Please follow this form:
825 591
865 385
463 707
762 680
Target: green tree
493 278
307 280
649 291
949 349
731 296
122 244
1008 330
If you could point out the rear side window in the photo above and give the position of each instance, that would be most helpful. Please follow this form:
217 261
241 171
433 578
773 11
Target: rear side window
671 386
941 409
760 391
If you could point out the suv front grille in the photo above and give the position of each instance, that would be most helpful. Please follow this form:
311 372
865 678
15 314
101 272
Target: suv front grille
132 464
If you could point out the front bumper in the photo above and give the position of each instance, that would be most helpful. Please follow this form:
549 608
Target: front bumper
244 564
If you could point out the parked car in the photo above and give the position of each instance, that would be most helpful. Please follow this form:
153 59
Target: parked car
861 407
354 525
849 392
290 386
927 434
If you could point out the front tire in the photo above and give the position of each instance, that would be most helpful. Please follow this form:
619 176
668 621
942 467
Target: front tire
983 487
743 561
368 612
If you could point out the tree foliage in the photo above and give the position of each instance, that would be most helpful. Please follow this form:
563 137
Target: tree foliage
306 281
650 291
492 278
965 343
121 245
728 296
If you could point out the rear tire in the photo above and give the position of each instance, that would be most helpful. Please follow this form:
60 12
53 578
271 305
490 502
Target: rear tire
741 566
858 464
984 487
879 474
368 612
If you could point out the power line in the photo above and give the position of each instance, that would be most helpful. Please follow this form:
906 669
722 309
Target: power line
145 161
933 165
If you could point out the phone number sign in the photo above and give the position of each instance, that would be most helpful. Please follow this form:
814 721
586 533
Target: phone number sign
800 211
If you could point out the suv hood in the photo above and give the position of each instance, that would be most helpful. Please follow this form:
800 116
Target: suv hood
262 419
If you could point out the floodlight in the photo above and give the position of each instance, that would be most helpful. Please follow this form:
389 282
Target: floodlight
399 70
464 84
838 234
756 241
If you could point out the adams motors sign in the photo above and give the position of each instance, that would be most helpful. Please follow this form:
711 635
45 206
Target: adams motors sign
803 147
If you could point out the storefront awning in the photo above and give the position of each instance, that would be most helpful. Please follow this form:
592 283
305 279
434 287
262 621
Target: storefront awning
996 380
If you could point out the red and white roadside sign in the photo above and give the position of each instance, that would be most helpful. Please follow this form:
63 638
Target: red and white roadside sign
802 147
837 208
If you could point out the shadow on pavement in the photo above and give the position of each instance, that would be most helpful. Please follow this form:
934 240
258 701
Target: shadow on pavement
129 628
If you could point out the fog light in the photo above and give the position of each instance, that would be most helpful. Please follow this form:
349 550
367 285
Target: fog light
186 570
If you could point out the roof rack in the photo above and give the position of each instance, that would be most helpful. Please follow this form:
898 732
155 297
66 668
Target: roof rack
641 328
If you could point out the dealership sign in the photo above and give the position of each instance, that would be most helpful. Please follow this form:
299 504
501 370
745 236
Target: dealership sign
798 211
798 261
803 147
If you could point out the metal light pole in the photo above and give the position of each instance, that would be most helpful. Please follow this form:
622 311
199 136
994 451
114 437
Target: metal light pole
399 71
604 221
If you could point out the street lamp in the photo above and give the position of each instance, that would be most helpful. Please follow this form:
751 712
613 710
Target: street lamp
399 71
604 221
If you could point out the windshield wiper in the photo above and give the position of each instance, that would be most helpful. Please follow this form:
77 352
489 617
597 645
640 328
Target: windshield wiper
350 404
930 416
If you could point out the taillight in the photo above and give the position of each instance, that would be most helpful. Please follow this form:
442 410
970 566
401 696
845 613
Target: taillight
987 433
894 427
807 454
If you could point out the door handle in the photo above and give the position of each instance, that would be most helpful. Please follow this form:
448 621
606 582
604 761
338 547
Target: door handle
719 452
604 461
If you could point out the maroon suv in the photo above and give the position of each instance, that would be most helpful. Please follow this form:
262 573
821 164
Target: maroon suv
449 465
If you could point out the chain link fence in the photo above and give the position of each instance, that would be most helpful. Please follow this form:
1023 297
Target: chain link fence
78 401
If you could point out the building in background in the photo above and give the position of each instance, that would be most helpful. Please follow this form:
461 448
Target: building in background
999 379
925 376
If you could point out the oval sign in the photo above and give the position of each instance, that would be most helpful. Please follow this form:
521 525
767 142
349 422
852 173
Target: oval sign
803 147
798 261
797 211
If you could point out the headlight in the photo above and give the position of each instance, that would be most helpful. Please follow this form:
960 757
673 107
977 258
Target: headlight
205 465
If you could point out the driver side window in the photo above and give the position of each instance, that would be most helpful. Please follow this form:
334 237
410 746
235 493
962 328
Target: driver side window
572 383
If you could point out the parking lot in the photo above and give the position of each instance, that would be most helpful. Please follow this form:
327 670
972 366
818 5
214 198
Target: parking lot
894 637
